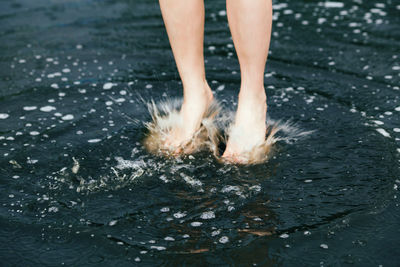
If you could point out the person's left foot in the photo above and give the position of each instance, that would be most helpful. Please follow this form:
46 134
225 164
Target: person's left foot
249 128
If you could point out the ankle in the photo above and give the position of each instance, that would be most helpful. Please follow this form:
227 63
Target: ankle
197 91
253 94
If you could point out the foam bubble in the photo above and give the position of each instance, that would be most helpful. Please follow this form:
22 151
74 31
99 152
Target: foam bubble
4 116
158 248
54 85
284 236
112 223
224 240
207 215
68 117
331 4
47 108
165 209
191 181
29 108
96 140
324 246
222 13
383 132
179 215
108 86
378 122
216 232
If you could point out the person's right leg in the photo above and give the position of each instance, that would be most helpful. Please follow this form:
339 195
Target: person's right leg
184 21
250 22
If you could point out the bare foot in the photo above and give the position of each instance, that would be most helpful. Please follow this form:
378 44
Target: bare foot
249 129
195 104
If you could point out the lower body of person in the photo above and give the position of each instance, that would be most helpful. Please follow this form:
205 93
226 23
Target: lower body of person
250 22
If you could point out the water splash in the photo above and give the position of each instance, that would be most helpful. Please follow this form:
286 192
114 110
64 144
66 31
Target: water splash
216 128
165 117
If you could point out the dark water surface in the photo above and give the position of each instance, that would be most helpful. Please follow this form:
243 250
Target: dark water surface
78 188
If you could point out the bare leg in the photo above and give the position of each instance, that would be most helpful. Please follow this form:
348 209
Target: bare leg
250 23
184 21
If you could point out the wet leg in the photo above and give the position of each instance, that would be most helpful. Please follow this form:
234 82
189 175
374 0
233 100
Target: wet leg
250 24
184 21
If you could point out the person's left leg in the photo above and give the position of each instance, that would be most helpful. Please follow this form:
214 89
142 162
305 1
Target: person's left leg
250 22
184 21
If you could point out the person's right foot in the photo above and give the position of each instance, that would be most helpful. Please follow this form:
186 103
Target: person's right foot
195 104
249 128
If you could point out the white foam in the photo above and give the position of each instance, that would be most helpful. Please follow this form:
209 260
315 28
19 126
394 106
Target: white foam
47 108
196 224
229 188
108 86
397 109
324 246
224 240
96 140
129 164
397 130
280 6
68 117
179 215
378 122
34 133
53 209
216 232
191 181
120 100
383 132
4 116
164 209
207 215
158 248
112 223
330 4
29 108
